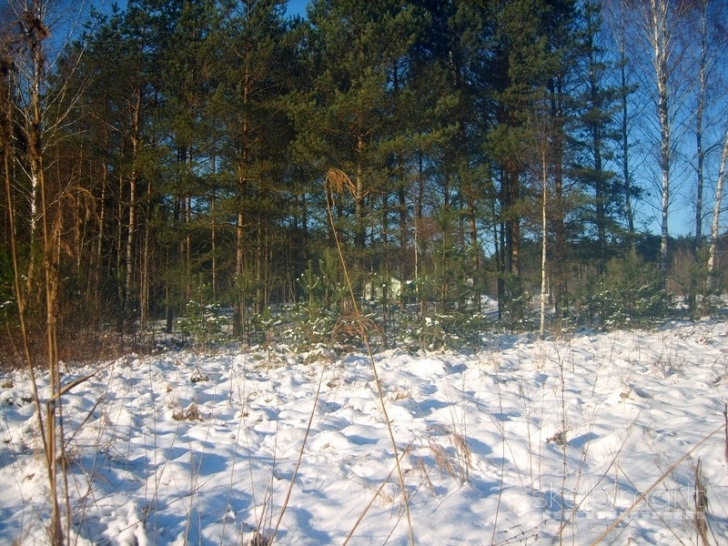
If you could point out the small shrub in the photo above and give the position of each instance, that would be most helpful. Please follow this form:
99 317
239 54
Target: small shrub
455 330
192 413
198 376
202 324
559 439
630 294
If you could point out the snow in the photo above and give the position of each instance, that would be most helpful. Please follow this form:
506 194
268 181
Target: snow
523 442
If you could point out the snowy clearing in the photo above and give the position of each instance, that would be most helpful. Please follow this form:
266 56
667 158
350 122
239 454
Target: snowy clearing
526 442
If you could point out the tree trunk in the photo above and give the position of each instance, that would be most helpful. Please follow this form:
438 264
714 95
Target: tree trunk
624 137
133 179
661 23
512 247
544 237
360 232
661 42
699 114
35 32
699 150
558 206
624 92
419 204
715 224
144 288
239 298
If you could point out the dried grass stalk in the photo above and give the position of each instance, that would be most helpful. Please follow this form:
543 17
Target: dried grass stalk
701 506
337 180
356 326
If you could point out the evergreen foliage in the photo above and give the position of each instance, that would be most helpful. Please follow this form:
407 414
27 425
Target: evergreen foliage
188 143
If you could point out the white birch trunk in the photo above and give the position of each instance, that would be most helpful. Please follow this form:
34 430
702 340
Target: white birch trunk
715 225
544 228
660 41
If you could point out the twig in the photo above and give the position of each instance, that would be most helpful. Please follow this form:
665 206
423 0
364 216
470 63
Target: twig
339 179
650 489
701 506
300 457
656 512
369 505
725 415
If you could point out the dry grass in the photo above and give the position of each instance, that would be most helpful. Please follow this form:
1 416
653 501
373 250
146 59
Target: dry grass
645 495
259 540
464 455
354 327
422 467
442 459
701 506
335 182
192 413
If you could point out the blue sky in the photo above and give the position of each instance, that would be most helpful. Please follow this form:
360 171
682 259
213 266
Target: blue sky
297 7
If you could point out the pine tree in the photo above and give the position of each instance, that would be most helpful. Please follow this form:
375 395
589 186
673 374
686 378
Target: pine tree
596 136
519 68
350 119
457 40
256 66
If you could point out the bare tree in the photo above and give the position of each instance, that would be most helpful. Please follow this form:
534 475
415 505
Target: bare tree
710 42
709 112
661 23
699 118
661 27
24 60
30 20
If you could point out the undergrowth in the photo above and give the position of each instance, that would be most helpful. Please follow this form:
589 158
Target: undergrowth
94 445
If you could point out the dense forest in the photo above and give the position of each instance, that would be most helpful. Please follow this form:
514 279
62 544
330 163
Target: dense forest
177 162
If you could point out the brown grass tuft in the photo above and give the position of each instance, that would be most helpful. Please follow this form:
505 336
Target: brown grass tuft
192 413
355 326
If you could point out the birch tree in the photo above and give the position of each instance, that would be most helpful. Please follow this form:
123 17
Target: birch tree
715 224
709 112
661 24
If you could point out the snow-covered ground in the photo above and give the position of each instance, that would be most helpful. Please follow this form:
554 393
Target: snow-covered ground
525 442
